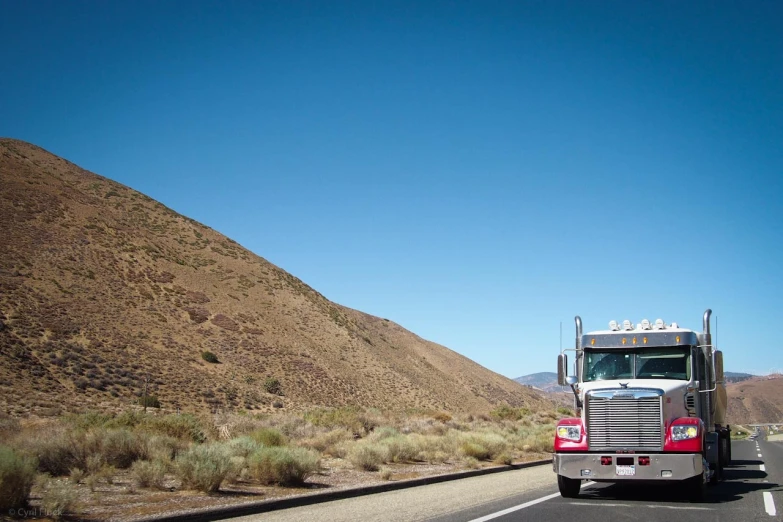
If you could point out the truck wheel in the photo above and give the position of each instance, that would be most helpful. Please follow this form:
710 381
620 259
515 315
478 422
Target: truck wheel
569 488
697 488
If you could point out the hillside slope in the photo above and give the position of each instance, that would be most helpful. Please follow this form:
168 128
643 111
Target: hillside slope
103 288
759 399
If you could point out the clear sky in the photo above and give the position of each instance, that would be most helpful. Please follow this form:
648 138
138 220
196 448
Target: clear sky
478 172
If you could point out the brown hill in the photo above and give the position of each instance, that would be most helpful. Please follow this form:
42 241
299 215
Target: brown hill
103 288
759 399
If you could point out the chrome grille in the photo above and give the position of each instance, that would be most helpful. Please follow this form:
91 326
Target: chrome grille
624 421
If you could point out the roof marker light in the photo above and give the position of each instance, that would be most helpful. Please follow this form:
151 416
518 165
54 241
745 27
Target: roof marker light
659 324
646 325
627 325
674 325
613 326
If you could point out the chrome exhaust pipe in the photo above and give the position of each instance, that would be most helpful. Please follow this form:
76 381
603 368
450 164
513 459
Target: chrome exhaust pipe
706 322
578 321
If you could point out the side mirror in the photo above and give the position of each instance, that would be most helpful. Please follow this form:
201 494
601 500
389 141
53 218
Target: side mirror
571 380
718 367
562 369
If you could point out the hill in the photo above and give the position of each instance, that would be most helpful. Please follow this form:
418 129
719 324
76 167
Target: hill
759 399
736 377
104 291
545 381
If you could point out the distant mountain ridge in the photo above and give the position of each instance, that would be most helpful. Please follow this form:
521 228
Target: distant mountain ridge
545 381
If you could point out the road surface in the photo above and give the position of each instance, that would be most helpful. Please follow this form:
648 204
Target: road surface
751 492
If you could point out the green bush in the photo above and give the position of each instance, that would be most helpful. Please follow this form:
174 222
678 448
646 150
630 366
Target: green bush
368 456
350 418
474 449
268 437
121 448
506 412
243 446
58 498
183 427
283 466
209 357
149 474
17 474
400 448
204 467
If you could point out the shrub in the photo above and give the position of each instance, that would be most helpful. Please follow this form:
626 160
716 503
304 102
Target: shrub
272 385
442 416
400 449
471 463
483 446
506 412
350 418
149 401
58 498
385 474
562 410
368 456
504 458
474 450
184 427
17 474
149 474
268 437
77 475
204 467
209 357
243 446
283 466
121 448
326 442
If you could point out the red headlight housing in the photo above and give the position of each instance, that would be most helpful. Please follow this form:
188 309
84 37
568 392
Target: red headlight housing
570 435
685 435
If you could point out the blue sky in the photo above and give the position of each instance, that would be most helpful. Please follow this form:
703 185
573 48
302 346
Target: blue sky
478 172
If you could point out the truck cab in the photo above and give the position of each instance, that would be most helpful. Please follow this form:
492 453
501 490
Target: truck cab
651 406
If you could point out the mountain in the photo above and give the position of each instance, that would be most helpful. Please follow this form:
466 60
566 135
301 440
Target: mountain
545 381
756 400
105 292
736 377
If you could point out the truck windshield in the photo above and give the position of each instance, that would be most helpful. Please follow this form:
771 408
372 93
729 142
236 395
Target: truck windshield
643 363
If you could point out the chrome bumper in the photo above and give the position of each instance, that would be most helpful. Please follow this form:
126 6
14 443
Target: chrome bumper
663 466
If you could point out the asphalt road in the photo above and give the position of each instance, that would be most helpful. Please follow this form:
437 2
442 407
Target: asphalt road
751 492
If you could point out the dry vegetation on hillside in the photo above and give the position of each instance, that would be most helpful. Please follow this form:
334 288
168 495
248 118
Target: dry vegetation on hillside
759 399
104 291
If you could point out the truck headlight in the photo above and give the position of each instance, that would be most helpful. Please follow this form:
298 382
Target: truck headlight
570 432
684 432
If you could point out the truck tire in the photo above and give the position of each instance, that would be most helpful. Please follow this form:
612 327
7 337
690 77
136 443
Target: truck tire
569 488
697 488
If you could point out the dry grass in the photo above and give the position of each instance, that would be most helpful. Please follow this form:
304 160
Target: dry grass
283 450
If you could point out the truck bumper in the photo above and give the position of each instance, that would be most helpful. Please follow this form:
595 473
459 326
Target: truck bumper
662 466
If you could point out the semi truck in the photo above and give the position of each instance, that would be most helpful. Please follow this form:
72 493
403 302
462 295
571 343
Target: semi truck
650 404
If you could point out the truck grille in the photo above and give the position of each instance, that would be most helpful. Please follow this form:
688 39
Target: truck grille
624 420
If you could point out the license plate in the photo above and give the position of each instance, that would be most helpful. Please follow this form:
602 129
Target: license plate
626 471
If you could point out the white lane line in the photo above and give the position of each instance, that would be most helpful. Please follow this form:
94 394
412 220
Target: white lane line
651 506
522 506
759 454
762 468
769 504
